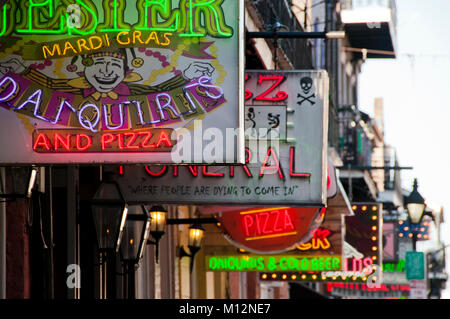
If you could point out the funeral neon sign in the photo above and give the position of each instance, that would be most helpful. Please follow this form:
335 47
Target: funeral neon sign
265 169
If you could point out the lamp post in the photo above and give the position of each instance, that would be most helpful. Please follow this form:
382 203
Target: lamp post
158 217
415 205
135 236
196 234
109 211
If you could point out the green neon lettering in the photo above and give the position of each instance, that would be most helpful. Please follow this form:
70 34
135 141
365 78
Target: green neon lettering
33 23
271 265
157 8
401 265
230 263
260 263
114 19
291 263
221 264
283 263
336 263
328 265
8 11
213 17
4 9
212 263
240 264
320 264
304 263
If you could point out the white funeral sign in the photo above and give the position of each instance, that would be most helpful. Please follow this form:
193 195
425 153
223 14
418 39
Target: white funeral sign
286 122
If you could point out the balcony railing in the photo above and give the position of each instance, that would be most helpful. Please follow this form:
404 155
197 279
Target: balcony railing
296 50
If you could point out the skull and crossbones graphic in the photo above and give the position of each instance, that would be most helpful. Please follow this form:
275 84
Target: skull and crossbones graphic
306 84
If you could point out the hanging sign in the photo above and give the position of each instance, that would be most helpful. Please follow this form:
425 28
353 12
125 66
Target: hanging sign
361 255
285 166
269 229
278 232
121 81
415 265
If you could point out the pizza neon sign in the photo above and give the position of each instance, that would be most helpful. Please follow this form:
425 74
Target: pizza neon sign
267 223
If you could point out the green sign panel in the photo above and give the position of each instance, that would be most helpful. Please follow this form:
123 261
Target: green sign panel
272 263
415 265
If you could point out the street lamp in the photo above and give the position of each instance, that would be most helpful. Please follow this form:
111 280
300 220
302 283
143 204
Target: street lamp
415 205
196 234
135 236
109 211
158 216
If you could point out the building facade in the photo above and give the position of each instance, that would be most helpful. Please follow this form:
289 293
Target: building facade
48 241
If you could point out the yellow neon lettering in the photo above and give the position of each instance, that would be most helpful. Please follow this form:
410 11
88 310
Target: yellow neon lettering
46 50
68 46
99 44
165 35
82 45
152 36
137 35
119 35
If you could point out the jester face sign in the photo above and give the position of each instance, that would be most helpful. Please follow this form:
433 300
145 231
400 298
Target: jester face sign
108 88
105 72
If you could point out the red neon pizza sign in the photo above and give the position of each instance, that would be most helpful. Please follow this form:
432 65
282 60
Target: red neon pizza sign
268 229
264 223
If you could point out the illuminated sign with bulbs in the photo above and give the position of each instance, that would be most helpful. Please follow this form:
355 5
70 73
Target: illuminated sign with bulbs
114 70
362 251
406 230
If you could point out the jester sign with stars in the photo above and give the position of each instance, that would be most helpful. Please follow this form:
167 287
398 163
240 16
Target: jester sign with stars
114 81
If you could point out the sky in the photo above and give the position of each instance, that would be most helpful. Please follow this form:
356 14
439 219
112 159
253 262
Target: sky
415 88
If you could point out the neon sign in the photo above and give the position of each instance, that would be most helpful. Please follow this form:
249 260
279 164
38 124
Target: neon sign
394 267
363 231
406 230
111 67
57 141
267 223
353 270
269 229
363 287
259 190
192 18
271 263
157 109
319 241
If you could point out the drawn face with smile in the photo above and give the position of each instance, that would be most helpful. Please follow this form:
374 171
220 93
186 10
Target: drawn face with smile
105 73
